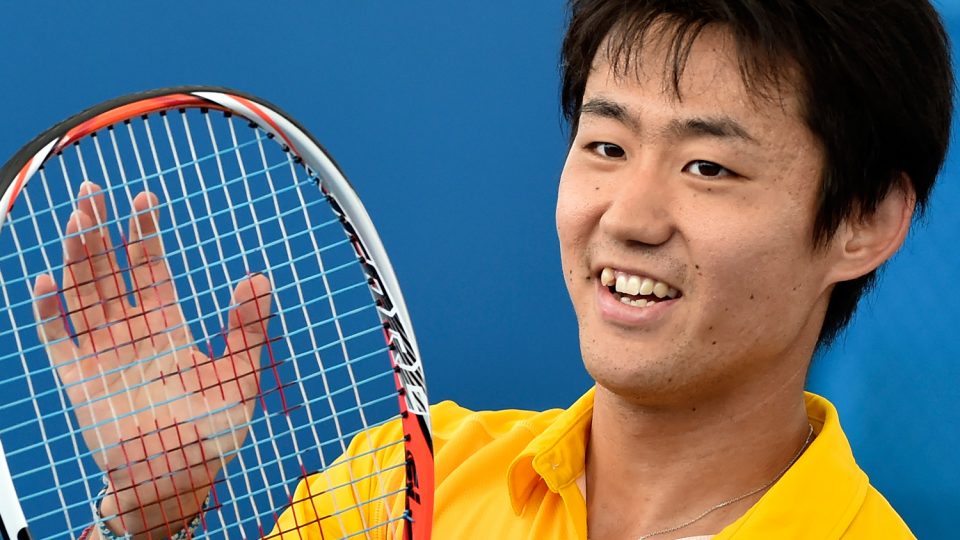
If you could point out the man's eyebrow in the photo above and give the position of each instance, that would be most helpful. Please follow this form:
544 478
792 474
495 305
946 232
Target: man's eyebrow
722 127
610 109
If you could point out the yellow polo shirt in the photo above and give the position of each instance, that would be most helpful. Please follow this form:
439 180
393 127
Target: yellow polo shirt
512 475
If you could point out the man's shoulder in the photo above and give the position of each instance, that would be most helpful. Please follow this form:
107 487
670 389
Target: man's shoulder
463 431
453 422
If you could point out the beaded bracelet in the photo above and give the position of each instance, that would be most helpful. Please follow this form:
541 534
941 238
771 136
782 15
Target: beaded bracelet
184 534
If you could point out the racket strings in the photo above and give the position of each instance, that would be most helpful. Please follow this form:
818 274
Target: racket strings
243 172
339 328
204 260
31 387
219 385
137 291
66 314
152 406
239 475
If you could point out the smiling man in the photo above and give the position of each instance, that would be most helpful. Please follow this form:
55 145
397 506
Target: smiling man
686 218
738 171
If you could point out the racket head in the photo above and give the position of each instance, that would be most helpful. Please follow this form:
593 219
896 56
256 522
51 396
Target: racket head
97 133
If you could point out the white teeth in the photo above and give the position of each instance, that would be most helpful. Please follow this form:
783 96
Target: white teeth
608 277
636 286
660 290
647 286
622 284
633 285
625 300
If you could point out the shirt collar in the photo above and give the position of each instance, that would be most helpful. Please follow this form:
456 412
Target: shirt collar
822 491
555 456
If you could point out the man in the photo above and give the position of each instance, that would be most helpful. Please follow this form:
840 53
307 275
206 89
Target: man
737 172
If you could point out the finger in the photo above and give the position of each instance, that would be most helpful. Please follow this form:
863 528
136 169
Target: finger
151 279
90 200
249 314
247 332
51 322
84 302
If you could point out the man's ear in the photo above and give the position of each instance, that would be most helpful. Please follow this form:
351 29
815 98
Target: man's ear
865 241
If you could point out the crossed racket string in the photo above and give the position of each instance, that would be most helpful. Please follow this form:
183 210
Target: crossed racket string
116 274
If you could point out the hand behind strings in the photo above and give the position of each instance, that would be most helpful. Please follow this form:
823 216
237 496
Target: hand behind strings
159 415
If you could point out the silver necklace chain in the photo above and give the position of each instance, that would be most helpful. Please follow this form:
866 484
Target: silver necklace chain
737 498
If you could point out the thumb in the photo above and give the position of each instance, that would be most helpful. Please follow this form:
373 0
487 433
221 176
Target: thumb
249 316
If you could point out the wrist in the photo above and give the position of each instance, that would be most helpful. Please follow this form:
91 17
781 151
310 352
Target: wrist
176 518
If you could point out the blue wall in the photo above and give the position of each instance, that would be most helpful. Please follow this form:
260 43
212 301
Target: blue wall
447 121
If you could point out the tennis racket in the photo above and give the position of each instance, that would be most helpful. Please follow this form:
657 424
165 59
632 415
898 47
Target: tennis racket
193 301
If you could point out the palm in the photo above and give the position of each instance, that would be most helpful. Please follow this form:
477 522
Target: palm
159 415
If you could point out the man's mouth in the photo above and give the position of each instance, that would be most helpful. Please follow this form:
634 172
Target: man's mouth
635 290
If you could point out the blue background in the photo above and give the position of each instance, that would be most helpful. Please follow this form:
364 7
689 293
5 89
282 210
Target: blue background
447 121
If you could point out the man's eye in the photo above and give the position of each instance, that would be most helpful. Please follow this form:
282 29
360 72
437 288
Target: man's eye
708 169
607 150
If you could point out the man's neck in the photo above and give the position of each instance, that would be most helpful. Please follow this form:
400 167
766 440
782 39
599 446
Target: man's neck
650 469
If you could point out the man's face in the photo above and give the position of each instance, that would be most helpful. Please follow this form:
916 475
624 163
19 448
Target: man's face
712 196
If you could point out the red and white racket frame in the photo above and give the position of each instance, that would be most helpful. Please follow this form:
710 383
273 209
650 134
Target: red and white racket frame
398 331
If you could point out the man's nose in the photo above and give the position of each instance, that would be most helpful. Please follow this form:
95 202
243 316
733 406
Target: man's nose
641 208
